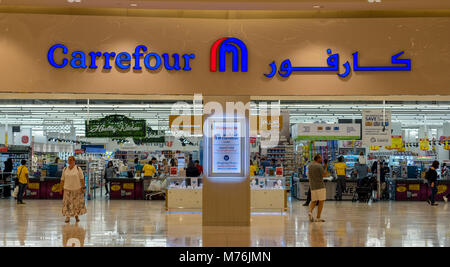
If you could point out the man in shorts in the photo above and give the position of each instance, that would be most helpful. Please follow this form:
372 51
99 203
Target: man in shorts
318 191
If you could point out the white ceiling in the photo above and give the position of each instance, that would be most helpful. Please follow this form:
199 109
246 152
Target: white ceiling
157 115
241 4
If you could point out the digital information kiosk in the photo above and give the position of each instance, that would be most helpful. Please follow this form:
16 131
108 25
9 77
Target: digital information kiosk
226 191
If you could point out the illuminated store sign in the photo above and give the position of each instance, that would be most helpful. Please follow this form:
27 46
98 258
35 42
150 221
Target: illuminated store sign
218 53
122 59
286 67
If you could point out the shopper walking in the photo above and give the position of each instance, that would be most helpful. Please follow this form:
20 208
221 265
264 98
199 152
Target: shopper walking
109 174
7 177
431 177
199 167
316 174
73 189
23 179
341 169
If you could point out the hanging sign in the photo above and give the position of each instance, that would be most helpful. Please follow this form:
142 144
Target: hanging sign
445 141
116 126
376 127
323 131
424 144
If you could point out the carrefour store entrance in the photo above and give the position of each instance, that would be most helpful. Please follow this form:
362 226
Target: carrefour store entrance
136 101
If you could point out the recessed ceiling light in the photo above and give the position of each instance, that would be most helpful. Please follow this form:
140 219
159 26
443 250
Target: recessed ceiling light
133 5
374 1
317 6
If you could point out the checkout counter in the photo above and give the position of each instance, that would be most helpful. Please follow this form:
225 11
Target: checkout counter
126 188
300 187
44 188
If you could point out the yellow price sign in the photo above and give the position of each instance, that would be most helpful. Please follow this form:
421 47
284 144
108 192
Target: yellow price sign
424 144
34 186
441 189
129 186
401 189
396 142
115 187
414 187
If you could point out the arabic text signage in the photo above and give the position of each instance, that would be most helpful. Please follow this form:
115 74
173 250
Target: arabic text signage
235 48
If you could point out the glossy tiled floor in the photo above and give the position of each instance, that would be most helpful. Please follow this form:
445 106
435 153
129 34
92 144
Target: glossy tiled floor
145 223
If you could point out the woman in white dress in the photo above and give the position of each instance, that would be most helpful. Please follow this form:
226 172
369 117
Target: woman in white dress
72 182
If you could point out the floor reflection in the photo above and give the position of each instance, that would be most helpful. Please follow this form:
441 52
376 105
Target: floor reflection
21 218
73 235
316 237
146 223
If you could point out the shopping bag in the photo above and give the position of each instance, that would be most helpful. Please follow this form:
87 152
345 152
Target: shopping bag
155 185
16 191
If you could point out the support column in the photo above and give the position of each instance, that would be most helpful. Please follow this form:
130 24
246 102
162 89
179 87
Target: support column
226 200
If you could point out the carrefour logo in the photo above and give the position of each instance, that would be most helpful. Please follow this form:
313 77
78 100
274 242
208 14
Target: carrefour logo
59 56
234 46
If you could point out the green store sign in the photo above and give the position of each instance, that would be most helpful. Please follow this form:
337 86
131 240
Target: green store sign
116 126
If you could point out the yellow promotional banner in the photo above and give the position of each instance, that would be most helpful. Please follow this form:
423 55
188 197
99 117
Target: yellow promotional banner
414 187
115 187
34 186
424 144
401 189
56 188
128 186
402 149
445 141
374 147
193 124
441 189
396 142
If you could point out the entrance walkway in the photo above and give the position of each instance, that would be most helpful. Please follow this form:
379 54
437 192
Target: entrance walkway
145 223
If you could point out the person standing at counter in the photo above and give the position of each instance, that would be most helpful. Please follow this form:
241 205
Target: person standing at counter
165 167
149 171
73 188
137 165
109 174
362 171
431 177
22 176
265 163
341 171
316 174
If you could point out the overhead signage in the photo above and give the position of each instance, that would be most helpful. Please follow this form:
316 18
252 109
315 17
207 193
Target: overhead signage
193 124
59 57
226 147
324 131
376 127
116 126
